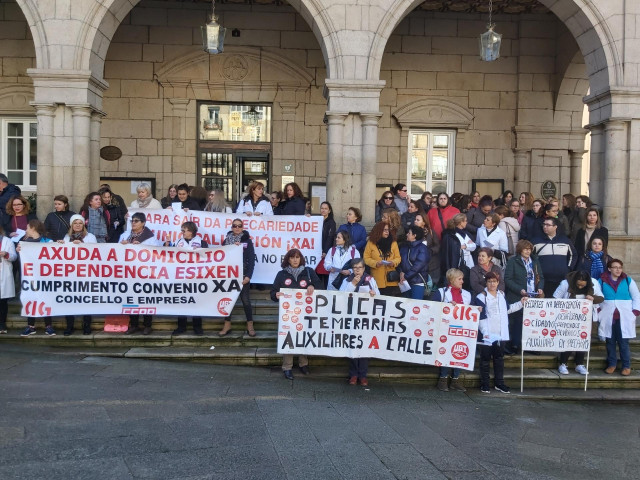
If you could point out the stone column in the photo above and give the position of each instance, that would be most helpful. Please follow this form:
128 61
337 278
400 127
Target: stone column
575 178
335 146
96 123
522 180
82 184
596 170
46 115
368 166
615 177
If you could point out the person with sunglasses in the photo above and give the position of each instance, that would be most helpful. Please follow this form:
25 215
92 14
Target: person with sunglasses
139 235
401 198
386 201
239 236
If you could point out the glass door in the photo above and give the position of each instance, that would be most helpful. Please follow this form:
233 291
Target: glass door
252 167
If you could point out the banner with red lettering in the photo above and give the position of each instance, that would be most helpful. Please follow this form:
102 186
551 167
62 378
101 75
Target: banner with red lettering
341 324
70 279
273 236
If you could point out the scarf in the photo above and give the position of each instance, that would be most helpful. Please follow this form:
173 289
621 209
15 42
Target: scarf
140 237
295 272
456 295
145 203
77 236
384 244
531 280
97 224
233 239
597 268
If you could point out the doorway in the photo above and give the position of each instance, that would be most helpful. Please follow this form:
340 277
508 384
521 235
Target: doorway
232 170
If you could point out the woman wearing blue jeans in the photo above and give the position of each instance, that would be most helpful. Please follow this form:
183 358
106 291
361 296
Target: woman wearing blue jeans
414 264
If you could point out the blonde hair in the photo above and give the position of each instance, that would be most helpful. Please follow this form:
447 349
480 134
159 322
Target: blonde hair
452 274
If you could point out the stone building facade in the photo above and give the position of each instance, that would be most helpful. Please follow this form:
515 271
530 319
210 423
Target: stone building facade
357 96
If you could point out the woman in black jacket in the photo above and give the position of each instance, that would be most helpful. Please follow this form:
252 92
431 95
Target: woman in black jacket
294 274
238 236
414 266
293 203
58 222
592 228
116 221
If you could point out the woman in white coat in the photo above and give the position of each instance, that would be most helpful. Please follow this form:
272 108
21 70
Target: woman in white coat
256 202
7 286
491 236
618 314
338 256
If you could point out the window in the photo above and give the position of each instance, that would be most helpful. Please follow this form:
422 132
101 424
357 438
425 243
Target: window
235 123
430 162
18 154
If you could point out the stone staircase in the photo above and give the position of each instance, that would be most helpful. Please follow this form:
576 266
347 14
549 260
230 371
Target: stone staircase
238 348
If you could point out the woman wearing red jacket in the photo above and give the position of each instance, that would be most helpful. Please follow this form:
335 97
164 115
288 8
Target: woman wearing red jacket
438 216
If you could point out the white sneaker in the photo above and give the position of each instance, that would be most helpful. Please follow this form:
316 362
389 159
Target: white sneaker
581 370
563 369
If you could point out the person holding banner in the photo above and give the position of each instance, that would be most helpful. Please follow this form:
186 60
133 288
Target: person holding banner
360 282
493 331
35 233
139 235
454 294
171 197
339 259
216 202
186 201
577 285
18 216
523 277
78 234
414 264
255 203
58 222
97 217
7 284
189 239
238 236
294 274
618 314
382 255
355 230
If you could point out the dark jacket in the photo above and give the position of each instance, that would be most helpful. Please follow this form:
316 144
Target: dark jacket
415 262
557 256
380 206
248 254
328 234
118 201
57 224
11 190
531 226
117 223
478 281
407 219
357 233
306 278
515 278
581 248
449 251
584 263
8 225
191 204
291 206
475 219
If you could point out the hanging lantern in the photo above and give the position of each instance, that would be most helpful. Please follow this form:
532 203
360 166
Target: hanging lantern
252 116
213 33
490 41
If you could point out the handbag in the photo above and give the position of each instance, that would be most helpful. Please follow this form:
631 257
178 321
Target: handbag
320 270
337 282
393 276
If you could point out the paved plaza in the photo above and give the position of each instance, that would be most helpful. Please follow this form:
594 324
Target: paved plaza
68 416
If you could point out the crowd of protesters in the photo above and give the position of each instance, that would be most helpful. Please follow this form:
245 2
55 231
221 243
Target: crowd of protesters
472 249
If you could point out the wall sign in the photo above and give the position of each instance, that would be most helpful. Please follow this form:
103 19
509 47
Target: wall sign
110 153
548 189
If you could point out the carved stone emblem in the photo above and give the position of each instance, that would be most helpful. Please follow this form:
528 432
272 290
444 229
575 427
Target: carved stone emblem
235 68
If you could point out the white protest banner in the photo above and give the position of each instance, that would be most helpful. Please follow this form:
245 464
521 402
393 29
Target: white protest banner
557 325
70 279
273 236
340 324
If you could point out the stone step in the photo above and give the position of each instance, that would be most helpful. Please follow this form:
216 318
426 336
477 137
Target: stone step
379 370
